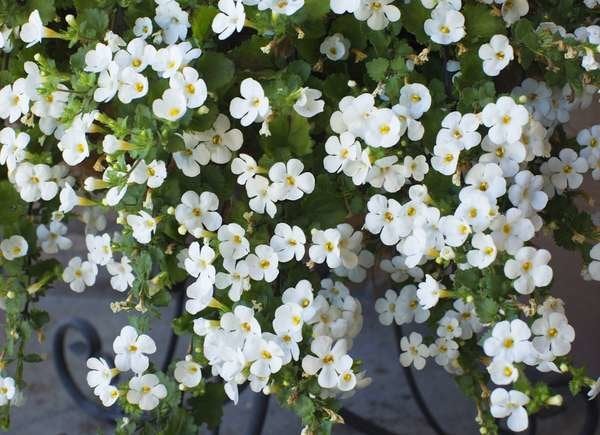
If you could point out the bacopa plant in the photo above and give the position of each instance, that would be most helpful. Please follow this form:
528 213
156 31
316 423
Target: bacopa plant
263 155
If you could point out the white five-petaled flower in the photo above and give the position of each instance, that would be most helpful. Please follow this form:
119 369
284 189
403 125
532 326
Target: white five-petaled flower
328 362
496 55
553 333
131 349
253 106
263 264
414 351
231 18
188 372
14 247
146 391
80 274
509 340
510 404
289 182
529 269
143 226
505 119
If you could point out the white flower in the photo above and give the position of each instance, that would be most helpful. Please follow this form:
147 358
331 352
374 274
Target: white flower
486 178
289 182
476 210
138 55
262 195
122 276
385 218
221 140
153 174
146 391
14 247
510 404
594 389
263 264
197 212
444 350
445 158
341 151
108 83
132 85
285 7
408 308
415 167
496 55
335 47
233 245
484 253
529 269
455 230
80 274
502 372
513 10
143 225
231 18
594 266
199 262
448 327
13 147
33 30
588 139
414 351
553 333
288 242
14 101
266 355
201 296
100 374
192 157
100 251
288 317
188 372
512 230
245 167
308 103
467 318
131 349
527 194
173 20
171 106
505 119
142 27
335 292
74 146
253 106
326 247
386 307
328 361
386 173
509 341
7 390
446 26
429 292
237 279
506 155
98 59
567 169
342 6
459 130
377 13
301 295
190 85
52 238
416 98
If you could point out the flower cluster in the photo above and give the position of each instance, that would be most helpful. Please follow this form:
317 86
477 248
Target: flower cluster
259 158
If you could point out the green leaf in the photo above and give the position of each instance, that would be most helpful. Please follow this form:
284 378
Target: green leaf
414 15
377 68
487 309
216 69
201 22
33 358
93 23
208 408
13 208
480 24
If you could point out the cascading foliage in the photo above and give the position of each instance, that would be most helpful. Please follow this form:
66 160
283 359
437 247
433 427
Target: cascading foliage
262 155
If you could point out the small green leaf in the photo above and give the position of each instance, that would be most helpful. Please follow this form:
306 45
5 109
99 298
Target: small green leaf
377 68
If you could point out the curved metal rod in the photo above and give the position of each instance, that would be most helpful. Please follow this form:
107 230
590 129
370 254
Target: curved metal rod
94 347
